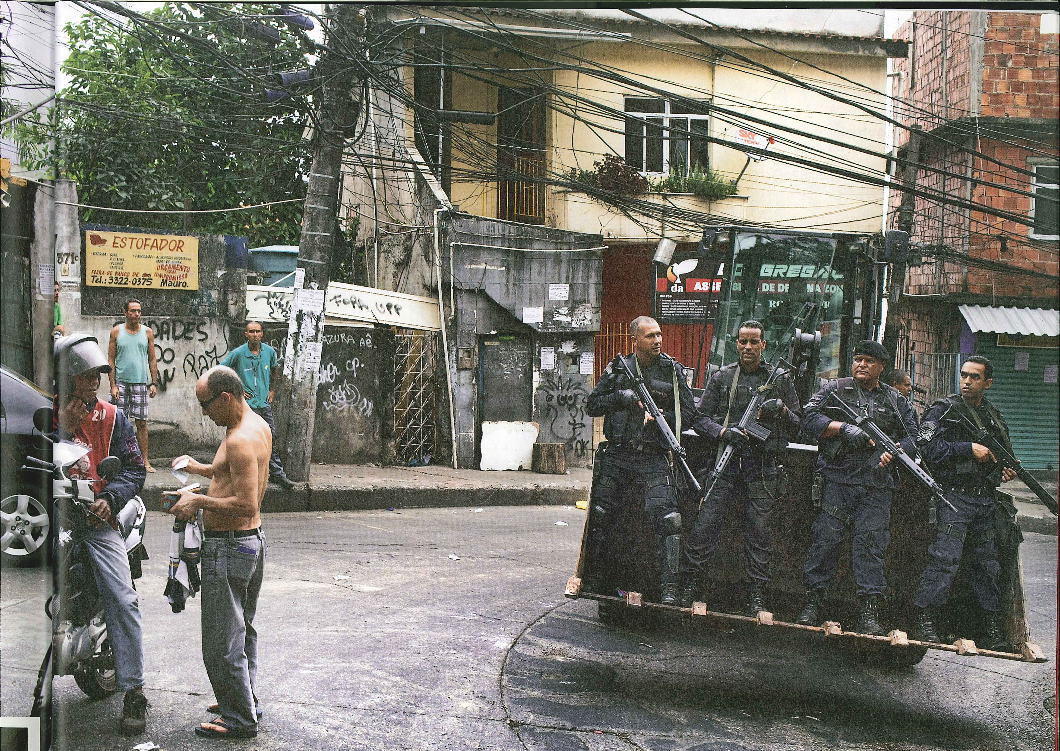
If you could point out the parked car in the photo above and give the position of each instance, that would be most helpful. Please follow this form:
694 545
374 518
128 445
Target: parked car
23 495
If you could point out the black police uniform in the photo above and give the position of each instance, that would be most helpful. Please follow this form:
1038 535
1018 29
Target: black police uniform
636 458
971 487
855 491
752 476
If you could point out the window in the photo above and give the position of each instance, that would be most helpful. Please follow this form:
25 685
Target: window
664 136
1045 214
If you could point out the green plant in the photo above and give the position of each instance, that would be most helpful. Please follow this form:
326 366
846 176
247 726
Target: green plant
610 174
706 184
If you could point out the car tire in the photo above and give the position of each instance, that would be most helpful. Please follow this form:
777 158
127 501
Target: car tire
24 524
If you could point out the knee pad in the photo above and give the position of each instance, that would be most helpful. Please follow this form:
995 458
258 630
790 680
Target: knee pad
670 524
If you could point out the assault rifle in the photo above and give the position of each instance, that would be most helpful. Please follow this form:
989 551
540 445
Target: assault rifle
749 424
652 408
1003 455
889 445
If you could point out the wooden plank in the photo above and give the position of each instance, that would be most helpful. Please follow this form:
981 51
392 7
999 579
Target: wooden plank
549 459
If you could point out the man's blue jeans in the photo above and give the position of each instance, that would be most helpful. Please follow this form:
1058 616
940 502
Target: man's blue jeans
275 467
121 604
232 571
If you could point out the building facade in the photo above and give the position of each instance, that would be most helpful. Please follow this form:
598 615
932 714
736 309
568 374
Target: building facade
983 89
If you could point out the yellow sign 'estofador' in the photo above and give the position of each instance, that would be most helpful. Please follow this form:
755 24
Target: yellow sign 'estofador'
131 259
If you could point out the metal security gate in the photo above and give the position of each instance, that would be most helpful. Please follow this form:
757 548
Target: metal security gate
936 373
414 366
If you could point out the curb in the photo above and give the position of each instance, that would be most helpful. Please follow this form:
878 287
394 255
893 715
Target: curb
304 498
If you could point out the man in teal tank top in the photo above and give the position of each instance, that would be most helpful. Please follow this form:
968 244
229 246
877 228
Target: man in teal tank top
133 371
257 365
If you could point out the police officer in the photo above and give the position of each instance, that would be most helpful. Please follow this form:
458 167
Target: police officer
901 381
856 484
636 456
970 474
752 477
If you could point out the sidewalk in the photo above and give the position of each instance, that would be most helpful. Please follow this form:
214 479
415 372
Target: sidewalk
357 487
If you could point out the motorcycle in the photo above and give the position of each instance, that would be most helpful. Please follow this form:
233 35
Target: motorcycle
79 645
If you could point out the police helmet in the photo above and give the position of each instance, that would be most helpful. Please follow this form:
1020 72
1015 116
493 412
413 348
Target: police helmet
77 354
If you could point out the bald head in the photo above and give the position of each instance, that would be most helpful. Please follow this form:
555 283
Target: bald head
220 378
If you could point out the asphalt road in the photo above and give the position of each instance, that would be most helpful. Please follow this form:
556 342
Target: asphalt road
447 629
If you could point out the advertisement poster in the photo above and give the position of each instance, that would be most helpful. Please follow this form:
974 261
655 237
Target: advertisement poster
132 259
685 291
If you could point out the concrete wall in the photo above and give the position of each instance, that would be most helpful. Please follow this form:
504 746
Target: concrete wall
491 287
354 389
193 331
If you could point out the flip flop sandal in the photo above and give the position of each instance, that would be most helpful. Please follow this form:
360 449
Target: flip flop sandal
217 728
216 709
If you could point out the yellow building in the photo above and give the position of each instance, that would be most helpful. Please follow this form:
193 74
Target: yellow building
618 128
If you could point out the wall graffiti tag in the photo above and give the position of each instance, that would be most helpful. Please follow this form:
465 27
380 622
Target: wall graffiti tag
561 411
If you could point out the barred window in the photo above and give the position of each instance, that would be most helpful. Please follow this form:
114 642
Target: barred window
1045 214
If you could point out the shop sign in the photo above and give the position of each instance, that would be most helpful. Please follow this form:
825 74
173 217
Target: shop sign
133 259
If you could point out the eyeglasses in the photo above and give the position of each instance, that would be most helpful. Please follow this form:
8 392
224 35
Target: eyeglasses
211 400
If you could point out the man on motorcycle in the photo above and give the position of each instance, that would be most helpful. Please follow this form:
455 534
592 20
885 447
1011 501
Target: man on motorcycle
101 427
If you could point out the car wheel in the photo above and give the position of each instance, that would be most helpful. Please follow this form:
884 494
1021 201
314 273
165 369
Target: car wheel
25 524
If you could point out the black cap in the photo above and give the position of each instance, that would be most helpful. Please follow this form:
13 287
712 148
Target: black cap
873 349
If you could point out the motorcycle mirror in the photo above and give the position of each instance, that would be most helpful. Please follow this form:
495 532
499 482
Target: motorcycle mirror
109 467
42 419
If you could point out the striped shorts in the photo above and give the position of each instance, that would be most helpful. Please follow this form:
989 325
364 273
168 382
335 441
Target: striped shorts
132 400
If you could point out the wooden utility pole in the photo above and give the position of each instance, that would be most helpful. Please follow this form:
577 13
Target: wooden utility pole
336 113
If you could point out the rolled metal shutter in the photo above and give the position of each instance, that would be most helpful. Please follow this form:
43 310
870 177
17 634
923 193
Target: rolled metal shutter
1027 402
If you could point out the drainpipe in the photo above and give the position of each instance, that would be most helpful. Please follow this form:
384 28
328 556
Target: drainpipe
445 339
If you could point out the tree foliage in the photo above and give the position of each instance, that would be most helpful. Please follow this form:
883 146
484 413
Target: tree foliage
167 111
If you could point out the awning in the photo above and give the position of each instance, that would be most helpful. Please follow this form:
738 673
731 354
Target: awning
1026 321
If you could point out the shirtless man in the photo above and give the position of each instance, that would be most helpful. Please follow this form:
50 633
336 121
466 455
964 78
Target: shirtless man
233 551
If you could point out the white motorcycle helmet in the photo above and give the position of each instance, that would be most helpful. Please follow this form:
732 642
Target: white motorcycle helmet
76 354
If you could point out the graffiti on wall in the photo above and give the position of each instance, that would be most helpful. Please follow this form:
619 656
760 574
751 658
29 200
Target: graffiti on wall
562 412
186 343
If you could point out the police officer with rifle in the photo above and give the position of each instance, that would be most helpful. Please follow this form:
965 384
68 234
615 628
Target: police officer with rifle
968 468
751 409
857 482
637 455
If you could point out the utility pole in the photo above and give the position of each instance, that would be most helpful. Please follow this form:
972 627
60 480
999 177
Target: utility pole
906 212
336 113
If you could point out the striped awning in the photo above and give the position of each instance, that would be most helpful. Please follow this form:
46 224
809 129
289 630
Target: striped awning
1025 321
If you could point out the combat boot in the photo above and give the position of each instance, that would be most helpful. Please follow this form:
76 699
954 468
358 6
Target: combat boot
670 577
869 617
757 600
691 592
993 636
924 628
813 611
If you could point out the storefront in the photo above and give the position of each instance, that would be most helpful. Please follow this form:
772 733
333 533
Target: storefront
1022 345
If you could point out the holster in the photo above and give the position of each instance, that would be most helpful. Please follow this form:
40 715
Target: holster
1008 534
598 455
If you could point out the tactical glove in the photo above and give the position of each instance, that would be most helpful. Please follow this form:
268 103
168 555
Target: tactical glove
771 409
735 437
625 397
855 438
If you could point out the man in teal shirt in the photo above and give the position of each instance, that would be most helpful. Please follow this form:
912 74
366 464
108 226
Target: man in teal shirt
256 364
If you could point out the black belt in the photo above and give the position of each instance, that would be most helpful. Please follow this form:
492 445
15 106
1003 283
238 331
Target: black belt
969 490
238 533
643 446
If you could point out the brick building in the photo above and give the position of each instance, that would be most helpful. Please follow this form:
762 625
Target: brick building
983 88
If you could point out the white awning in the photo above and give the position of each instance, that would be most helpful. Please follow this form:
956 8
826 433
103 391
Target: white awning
1026 321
